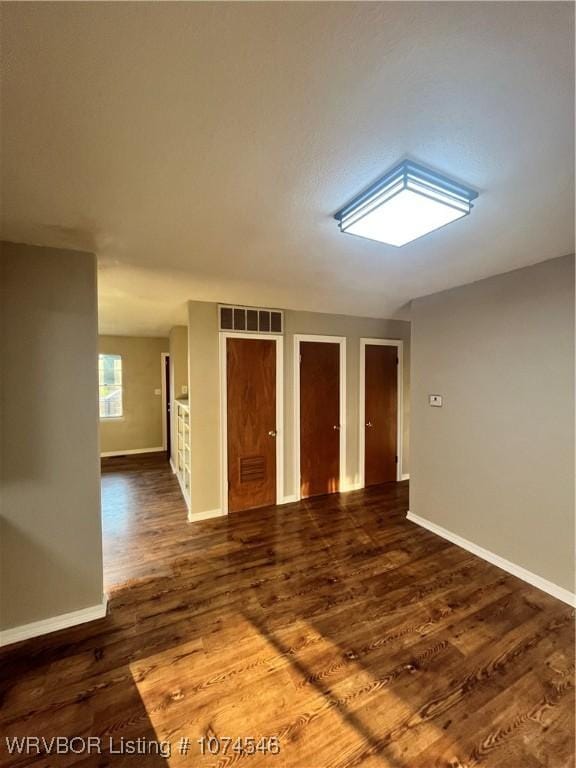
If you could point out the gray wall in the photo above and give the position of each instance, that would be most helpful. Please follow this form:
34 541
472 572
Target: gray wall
50 536
495 464
204 391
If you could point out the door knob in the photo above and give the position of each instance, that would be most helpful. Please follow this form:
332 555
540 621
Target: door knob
272 433
337 427
368 423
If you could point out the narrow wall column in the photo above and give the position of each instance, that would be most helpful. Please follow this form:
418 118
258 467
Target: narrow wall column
50 536
204 394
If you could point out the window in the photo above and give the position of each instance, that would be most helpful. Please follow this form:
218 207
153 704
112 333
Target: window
110 386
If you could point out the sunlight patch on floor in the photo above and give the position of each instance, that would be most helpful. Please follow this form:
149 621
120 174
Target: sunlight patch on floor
258 686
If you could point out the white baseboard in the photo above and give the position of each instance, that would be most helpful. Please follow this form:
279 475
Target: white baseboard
172 467
193 517
53 624
293 497
406 476
516 570
131 452
351 487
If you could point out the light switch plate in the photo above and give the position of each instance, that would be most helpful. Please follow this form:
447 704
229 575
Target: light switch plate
157 391
184 389
435 401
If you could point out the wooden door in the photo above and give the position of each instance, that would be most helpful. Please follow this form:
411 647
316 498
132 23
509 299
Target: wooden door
251 411
319 418
381 413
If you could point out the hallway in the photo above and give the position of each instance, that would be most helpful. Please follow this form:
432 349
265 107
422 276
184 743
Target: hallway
143 518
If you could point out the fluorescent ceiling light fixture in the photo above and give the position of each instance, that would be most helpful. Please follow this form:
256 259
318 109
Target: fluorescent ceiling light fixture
408 202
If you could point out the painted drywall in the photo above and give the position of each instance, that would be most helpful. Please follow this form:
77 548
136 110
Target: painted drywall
204 395
50 542
204 391
178 348
495 464
141 424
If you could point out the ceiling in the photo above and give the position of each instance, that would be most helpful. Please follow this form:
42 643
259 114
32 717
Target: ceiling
201 150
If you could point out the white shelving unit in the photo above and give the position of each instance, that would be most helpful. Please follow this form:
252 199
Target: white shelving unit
183 447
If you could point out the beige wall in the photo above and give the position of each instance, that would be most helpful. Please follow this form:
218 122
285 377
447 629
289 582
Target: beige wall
495 464
204 394
178 347
50 537
141 425
204 391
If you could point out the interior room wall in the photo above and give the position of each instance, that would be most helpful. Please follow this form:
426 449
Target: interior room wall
204 395
178 348
50 538
495 464
203 341
353 329
140 427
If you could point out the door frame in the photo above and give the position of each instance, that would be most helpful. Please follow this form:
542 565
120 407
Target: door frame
399 344
166 397
223 375
341 341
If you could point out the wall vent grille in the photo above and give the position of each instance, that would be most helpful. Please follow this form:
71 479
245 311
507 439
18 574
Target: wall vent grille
250 319
252 469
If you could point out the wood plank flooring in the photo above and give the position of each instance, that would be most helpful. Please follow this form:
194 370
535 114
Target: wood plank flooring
352 635
143 518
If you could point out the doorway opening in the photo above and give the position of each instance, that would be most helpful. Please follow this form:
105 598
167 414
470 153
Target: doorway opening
166 404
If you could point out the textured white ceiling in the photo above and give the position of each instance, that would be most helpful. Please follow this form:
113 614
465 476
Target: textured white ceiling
202 149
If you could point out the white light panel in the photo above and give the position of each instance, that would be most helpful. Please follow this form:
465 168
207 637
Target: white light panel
403 218
408 203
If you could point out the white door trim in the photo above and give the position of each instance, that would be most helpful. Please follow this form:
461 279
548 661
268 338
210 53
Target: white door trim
279 339
341 341
165 397
399 344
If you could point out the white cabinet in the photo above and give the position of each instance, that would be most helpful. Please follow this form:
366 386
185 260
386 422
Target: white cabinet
183 447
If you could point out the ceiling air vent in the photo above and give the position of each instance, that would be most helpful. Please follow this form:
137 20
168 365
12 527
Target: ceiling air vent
251 320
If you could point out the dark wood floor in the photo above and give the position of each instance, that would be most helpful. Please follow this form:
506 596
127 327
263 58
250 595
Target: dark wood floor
143 519
354 636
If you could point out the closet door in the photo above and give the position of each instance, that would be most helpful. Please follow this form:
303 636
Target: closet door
251 415
381 414
319 418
